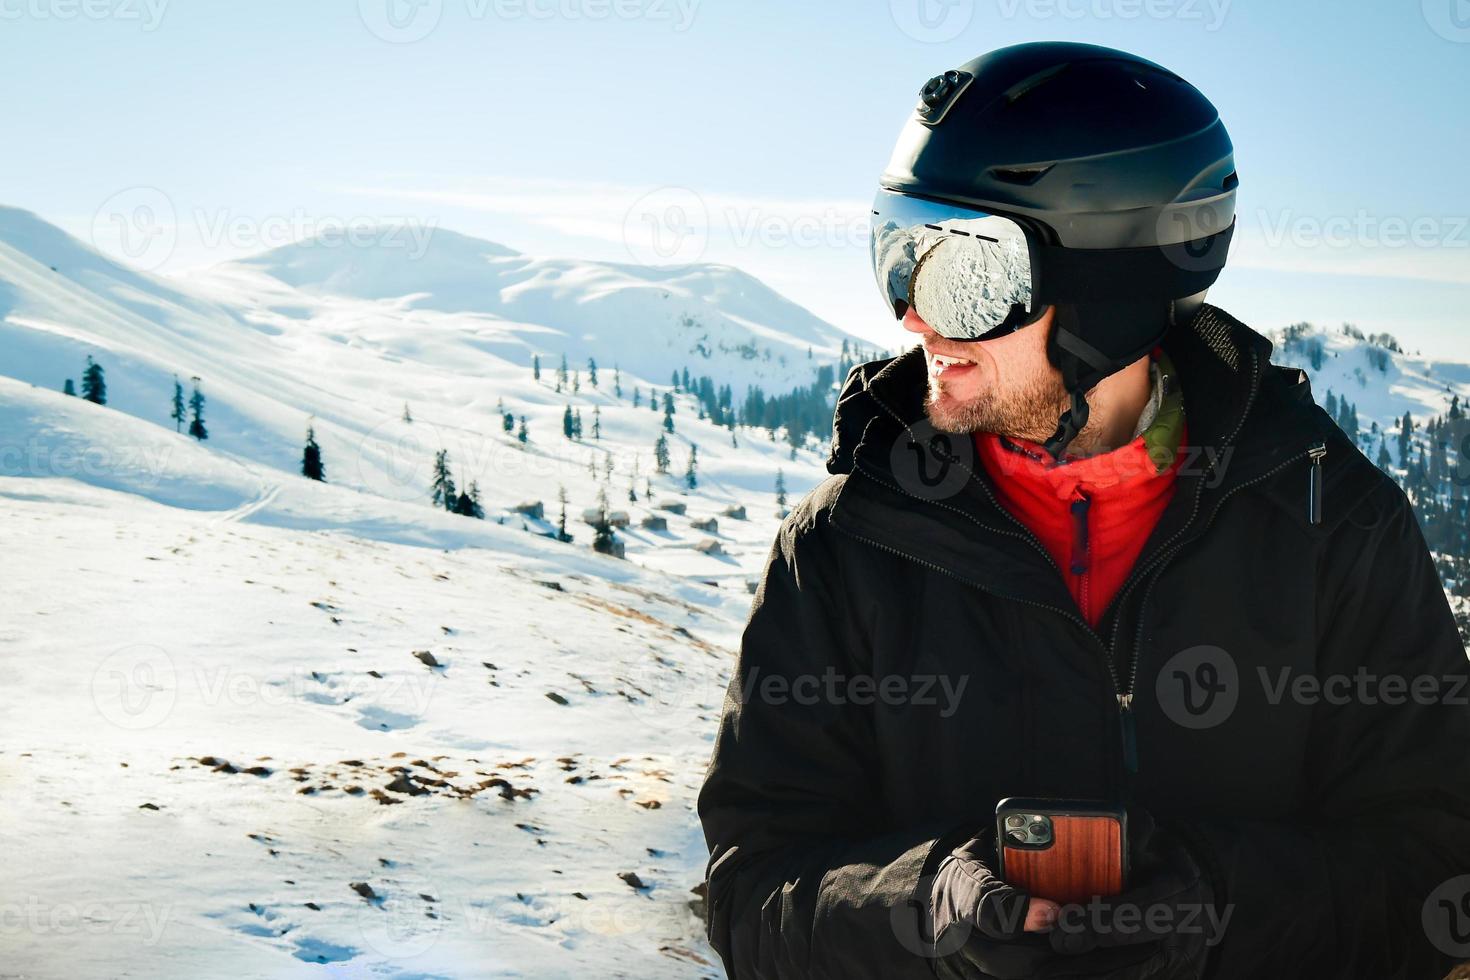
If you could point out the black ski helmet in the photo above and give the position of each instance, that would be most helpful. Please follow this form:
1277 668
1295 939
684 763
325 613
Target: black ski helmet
1120 173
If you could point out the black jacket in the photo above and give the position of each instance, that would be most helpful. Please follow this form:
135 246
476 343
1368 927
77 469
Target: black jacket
1326 823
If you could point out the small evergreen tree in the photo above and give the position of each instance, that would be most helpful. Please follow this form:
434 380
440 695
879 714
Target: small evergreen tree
596 422
592 372
668 412
653 399
781 485
443 486
94 384
561 374
196 414
467 504
566 422
661 454
69 388
561 523
522 435
535 367
577 423
312 466
508 422
576 382
617 382
675 380
637 396
690 479
177 414
407 415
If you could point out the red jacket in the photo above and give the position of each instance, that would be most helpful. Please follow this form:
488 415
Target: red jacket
1093 514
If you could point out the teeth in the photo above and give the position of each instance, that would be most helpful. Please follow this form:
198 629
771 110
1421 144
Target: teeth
944 361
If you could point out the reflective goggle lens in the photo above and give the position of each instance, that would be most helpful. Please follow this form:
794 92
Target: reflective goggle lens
967 274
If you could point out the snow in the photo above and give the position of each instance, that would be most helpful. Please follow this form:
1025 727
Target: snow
214 669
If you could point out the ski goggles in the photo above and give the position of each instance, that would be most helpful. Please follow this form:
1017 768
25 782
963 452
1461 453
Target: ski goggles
973 275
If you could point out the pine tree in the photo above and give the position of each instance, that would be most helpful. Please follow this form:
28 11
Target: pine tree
675 380
407 415
178 405
577 424
1384 461
196 412
443 485
521 434
668 412
561 374
467 504
69 388
576 382
661 454
535 367
617 382
508 422
312 466
647 488
685 379
94 384
592 372
690 479
566 422
637 396
561 523
653 399
1406 439
781 485
596 422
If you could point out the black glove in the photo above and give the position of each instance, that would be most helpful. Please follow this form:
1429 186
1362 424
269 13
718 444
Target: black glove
1168 910
978 921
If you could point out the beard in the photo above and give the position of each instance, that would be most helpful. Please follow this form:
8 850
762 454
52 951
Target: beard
1029 412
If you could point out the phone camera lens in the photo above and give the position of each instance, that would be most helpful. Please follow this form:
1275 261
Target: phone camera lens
1015 821
1019 836
1039 829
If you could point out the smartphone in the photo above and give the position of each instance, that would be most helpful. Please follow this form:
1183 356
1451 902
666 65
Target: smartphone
1065 850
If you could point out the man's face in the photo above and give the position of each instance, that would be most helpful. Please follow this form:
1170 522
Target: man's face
1006 386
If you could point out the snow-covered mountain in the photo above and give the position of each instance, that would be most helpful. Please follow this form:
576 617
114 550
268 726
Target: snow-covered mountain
291 689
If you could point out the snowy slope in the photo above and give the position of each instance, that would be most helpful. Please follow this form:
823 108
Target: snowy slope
1380 382
213 730
214 720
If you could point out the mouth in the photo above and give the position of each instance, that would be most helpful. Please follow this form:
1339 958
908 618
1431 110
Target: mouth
948 366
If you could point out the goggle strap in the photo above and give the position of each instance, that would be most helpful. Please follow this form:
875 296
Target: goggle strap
1112 275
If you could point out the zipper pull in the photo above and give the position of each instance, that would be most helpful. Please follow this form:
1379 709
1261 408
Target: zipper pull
1130 734
1314 483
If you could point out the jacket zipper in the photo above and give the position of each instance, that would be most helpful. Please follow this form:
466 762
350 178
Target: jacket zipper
1081 546
1314 484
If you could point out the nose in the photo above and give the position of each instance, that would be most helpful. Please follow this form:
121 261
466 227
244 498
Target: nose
913 324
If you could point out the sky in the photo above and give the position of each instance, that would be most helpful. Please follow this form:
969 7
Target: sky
175 134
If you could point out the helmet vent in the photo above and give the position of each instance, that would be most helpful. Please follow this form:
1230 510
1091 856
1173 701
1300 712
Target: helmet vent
1230 182
1024 176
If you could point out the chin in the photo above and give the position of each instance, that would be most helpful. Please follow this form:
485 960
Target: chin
951 414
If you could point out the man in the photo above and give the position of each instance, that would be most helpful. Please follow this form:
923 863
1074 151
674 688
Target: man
1084 541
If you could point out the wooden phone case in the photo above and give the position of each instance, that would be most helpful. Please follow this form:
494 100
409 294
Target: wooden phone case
1085 858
